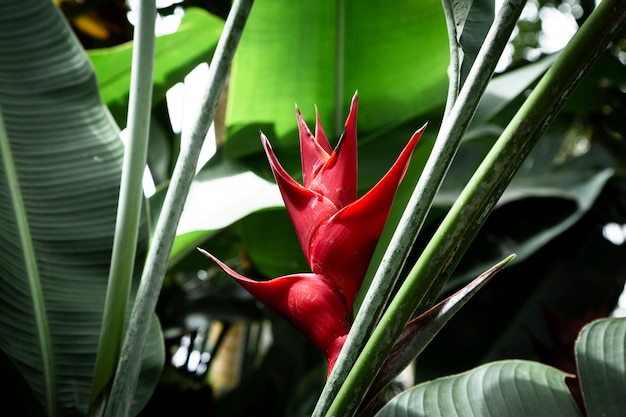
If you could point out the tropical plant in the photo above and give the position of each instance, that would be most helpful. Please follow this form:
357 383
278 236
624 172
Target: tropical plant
529 161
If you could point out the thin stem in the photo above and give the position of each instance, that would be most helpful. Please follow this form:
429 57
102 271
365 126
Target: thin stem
422 197
130 199
481 194
129 364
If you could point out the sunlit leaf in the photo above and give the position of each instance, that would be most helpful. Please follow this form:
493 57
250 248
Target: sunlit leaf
176 55
320 53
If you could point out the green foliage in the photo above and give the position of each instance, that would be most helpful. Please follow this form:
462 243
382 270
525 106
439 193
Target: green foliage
510 388
521 388
176 55
320 54
601 358
61 165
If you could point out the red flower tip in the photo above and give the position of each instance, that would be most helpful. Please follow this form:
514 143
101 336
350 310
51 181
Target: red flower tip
342 247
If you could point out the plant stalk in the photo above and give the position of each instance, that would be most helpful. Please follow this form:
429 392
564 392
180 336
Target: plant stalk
454 68
129 365
130 199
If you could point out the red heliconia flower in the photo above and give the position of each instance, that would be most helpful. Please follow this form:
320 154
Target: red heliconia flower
337 232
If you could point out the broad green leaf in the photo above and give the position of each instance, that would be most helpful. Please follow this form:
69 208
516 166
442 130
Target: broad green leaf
320 53
499 389
59 180
472 20
601 358
176 55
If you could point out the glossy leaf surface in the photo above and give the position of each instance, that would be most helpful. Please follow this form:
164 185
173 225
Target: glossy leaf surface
601 357
502 389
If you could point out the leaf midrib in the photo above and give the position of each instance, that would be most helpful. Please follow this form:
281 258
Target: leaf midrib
30 264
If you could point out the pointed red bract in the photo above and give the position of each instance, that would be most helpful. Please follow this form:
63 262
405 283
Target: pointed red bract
310 302
314 150
343 246
306 208
337 179
338 233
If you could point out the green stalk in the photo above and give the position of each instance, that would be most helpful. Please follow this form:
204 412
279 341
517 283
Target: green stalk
479 197
32 270
443 152
130 199
129 364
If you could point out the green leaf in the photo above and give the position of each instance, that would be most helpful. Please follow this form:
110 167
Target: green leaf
601 357
320 53
176 54
472 20
499 389
59 180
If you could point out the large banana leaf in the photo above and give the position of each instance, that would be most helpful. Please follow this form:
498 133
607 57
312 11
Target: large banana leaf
508 388
59 181
176 54
320 53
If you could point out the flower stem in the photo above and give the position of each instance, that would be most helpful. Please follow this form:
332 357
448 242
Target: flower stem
480 195
129 364
445 148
